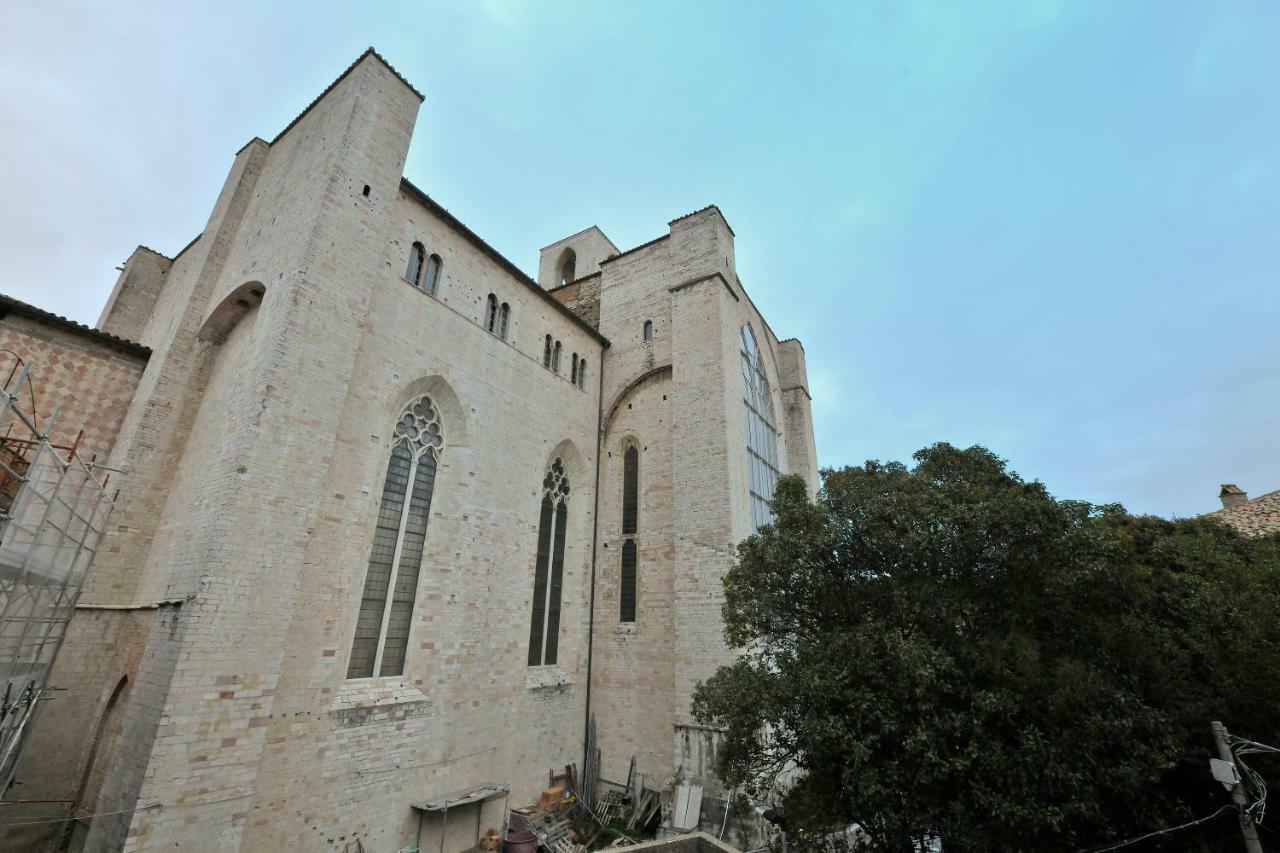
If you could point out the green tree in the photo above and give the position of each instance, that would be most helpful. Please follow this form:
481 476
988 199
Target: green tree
948 650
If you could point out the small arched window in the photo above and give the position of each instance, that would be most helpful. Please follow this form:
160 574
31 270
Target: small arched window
648 330
432 275
555 357
573 373
504 315
568 266
582 373
414 272
548 567
546 353
491 313
391 579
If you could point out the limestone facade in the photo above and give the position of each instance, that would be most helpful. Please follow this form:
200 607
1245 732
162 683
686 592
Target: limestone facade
207 702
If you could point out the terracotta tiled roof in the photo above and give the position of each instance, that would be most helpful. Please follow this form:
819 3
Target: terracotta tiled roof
16 306
1258 517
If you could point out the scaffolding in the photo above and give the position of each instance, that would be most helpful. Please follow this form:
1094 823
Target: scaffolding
54 507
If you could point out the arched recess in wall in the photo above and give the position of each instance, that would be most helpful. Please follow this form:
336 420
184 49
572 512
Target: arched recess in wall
442 395
227 314
104 737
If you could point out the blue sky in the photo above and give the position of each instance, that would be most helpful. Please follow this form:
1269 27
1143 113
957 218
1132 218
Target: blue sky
1050 228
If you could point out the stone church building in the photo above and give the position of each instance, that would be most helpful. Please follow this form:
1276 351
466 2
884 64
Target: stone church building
396 519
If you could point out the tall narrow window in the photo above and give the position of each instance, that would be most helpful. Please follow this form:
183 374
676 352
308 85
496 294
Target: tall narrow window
582 373
627 587
504 315
573 374
490 313
548 567
391 580
648 330
432 275
555 357
630 490
546 352
414 272
630 519
762 435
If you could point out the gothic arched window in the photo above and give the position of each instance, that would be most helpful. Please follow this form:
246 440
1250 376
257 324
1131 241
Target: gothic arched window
391 580
630 521
548 567
414 271
432 275
762 434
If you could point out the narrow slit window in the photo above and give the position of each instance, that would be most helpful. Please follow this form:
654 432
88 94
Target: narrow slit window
627 583
648 330
548 567
630 490
582 374
504 315
555 357
381 637
573 374
546 353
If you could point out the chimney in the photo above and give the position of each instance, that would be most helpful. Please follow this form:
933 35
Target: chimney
1231 495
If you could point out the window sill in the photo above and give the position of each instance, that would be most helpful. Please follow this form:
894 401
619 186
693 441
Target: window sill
374 693
547 678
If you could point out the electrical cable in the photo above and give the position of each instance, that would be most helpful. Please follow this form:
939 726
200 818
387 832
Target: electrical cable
1166 831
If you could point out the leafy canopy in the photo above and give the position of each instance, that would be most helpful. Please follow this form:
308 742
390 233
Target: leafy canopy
949 650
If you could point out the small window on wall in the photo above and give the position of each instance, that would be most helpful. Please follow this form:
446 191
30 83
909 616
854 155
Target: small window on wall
504 315
414 272
546 353
648 330
573 373
555 357
432 275
491 313
582 374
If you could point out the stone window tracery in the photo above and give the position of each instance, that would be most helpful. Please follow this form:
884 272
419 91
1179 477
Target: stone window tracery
381 637
548 577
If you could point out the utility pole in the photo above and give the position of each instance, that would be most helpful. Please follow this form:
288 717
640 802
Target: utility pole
1250 832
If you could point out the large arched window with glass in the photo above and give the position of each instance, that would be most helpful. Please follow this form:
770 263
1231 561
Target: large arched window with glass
391 580
548 567
762 432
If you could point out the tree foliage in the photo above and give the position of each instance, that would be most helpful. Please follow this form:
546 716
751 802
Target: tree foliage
947 649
